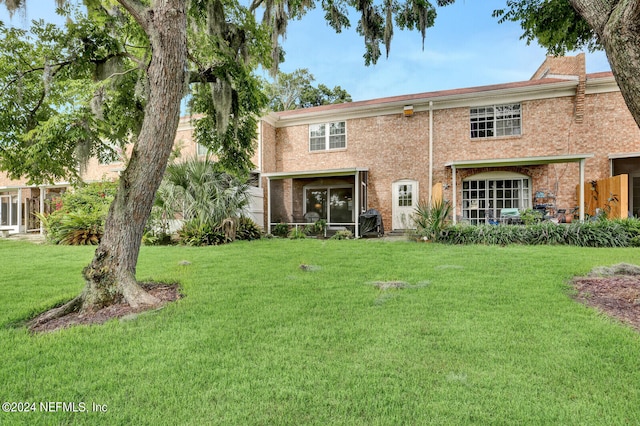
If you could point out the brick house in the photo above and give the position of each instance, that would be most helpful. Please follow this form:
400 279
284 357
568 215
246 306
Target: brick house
19 199
513 145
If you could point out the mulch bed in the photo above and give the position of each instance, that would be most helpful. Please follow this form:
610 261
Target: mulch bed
164 292
617 296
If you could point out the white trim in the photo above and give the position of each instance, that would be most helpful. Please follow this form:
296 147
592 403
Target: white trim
447 99
519 161
618 156
315 173
327 136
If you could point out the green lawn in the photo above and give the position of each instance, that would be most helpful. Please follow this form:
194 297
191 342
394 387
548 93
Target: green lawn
484 335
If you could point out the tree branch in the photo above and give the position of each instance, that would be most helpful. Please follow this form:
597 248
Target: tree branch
596 13
138 10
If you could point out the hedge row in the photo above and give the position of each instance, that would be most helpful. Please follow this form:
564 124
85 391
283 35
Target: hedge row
604 233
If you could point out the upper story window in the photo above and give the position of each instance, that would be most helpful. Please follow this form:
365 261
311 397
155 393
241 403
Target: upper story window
495 120
327 136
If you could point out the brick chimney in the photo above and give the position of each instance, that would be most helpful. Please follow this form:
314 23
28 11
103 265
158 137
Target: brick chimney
570 68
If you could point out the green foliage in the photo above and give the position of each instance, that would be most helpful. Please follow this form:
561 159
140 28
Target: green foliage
62 100
197 233
79 229
554 24
156 238
296 234
605 233
199 189
80 214
531 216
295 90
248 230
317 228
281 230
432 219
342 235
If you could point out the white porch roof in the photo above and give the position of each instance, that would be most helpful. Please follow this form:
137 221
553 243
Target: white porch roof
315 173
518 161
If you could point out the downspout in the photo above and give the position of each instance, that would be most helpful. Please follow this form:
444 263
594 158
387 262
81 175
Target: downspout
581 196
454 185
430 188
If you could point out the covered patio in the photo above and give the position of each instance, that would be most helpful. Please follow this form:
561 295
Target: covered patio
519 162
337 196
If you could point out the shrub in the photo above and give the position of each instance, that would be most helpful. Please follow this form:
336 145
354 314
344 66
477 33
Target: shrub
281 230
196 233
431 219
156 238
531 216
248 230
342 235
296 234
80 214
605 233
79 229
317 228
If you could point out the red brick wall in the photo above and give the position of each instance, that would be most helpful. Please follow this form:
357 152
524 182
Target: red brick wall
395 147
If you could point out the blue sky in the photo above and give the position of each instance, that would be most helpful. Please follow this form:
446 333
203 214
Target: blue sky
466 47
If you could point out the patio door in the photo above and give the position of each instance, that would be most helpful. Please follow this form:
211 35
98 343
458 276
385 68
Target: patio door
332 203
405 200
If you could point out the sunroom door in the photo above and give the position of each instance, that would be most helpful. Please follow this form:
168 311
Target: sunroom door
405 201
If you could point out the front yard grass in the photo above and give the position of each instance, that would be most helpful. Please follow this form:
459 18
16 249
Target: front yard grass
479 335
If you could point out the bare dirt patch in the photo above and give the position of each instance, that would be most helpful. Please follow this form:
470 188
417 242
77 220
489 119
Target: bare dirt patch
166 293
616 294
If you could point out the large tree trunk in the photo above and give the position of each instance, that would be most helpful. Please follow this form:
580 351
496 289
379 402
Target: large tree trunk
617 23
110 277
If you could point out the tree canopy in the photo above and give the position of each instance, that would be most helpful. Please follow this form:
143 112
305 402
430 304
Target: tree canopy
117 74
296 90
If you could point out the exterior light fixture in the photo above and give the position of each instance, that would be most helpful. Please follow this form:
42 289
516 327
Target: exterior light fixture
408 110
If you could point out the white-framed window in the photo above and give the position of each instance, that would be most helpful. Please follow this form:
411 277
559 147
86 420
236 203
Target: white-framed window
495 121
201 150
327 136
484 195
332 203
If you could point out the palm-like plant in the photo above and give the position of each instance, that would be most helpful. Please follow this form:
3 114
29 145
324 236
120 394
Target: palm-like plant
431 219
196 190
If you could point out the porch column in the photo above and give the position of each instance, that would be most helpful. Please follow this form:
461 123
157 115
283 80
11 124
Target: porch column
454 187
20 212
268 205
356 202
581 191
